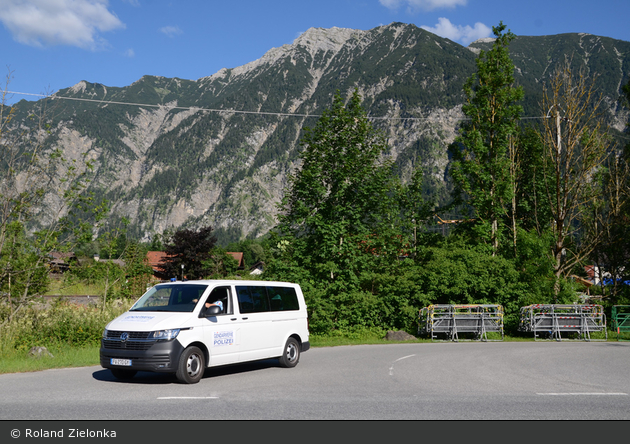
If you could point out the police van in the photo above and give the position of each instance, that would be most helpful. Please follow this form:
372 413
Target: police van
185 327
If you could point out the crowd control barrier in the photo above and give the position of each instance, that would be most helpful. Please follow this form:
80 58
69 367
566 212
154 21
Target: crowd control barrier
551 321
451 320
620 315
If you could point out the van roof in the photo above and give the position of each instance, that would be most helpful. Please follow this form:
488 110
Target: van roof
230 282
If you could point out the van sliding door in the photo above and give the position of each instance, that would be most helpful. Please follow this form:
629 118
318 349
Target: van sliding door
222 332
261 336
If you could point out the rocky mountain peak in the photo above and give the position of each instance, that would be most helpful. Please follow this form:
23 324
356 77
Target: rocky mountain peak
331 39
313 40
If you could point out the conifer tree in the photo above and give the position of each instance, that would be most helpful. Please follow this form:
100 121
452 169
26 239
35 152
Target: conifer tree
481 164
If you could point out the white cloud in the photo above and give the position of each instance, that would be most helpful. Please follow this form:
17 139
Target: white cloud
59 22
425 5
130 53
463 34
171 31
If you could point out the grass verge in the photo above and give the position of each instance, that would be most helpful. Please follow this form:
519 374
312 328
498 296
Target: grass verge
63 356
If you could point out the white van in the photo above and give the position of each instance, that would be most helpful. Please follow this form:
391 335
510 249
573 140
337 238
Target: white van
184 327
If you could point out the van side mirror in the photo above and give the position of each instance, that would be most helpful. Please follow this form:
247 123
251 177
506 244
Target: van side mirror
210 311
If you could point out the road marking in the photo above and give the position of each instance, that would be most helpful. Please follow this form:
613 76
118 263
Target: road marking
188 397
391 369
582 394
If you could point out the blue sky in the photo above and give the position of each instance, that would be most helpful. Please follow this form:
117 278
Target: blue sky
53 44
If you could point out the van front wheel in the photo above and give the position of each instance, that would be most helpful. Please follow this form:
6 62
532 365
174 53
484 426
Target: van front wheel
191 366
291 353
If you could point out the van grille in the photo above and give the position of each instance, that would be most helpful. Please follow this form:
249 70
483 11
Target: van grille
136 340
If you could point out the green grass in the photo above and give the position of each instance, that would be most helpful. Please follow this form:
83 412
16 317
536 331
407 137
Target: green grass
334 341
70 332
337 340
61 288
65 356
623 336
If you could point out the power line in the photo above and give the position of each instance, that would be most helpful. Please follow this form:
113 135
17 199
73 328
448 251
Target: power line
233 111
186 108
196 109
229 111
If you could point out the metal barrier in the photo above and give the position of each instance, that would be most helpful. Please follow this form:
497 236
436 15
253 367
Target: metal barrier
554 319
451 320
621 319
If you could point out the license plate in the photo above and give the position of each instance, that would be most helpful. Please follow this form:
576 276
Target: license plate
125 362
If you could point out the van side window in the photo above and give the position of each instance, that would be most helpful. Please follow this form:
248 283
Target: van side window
245 303
259 296
252 299
283 298
221 294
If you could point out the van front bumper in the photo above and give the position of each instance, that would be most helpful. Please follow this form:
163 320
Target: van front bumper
161 356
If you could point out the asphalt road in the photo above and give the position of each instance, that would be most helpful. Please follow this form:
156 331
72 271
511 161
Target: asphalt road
428 381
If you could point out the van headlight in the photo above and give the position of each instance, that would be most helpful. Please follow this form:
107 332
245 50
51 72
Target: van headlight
105 334
164 335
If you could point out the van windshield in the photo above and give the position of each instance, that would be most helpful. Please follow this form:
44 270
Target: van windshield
170 297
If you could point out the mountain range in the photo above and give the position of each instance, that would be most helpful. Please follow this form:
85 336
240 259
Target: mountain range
171 153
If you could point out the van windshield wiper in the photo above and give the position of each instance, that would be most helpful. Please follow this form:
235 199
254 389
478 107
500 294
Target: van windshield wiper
152 309
167 308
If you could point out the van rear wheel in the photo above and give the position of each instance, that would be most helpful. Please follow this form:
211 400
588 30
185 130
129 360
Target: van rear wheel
291 353
191 366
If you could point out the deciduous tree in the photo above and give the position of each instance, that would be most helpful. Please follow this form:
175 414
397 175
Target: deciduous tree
340 203
192 249
612 252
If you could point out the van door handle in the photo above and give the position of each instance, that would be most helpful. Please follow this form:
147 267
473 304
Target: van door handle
232 319
245 318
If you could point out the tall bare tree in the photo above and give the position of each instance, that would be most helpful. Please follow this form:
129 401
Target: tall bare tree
576 143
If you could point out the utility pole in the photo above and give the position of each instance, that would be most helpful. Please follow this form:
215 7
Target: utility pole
559 135
10 305
559 217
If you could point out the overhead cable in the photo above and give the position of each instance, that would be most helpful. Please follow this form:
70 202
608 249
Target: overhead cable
226 111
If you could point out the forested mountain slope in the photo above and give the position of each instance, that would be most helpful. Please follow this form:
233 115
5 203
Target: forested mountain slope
217 151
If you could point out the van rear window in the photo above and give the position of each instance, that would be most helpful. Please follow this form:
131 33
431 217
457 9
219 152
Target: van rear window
255 298
283 298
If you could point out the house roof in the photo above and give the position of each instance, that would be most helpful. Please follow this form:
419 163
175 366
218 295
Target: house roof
60 255
238 257
257 268
154 258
